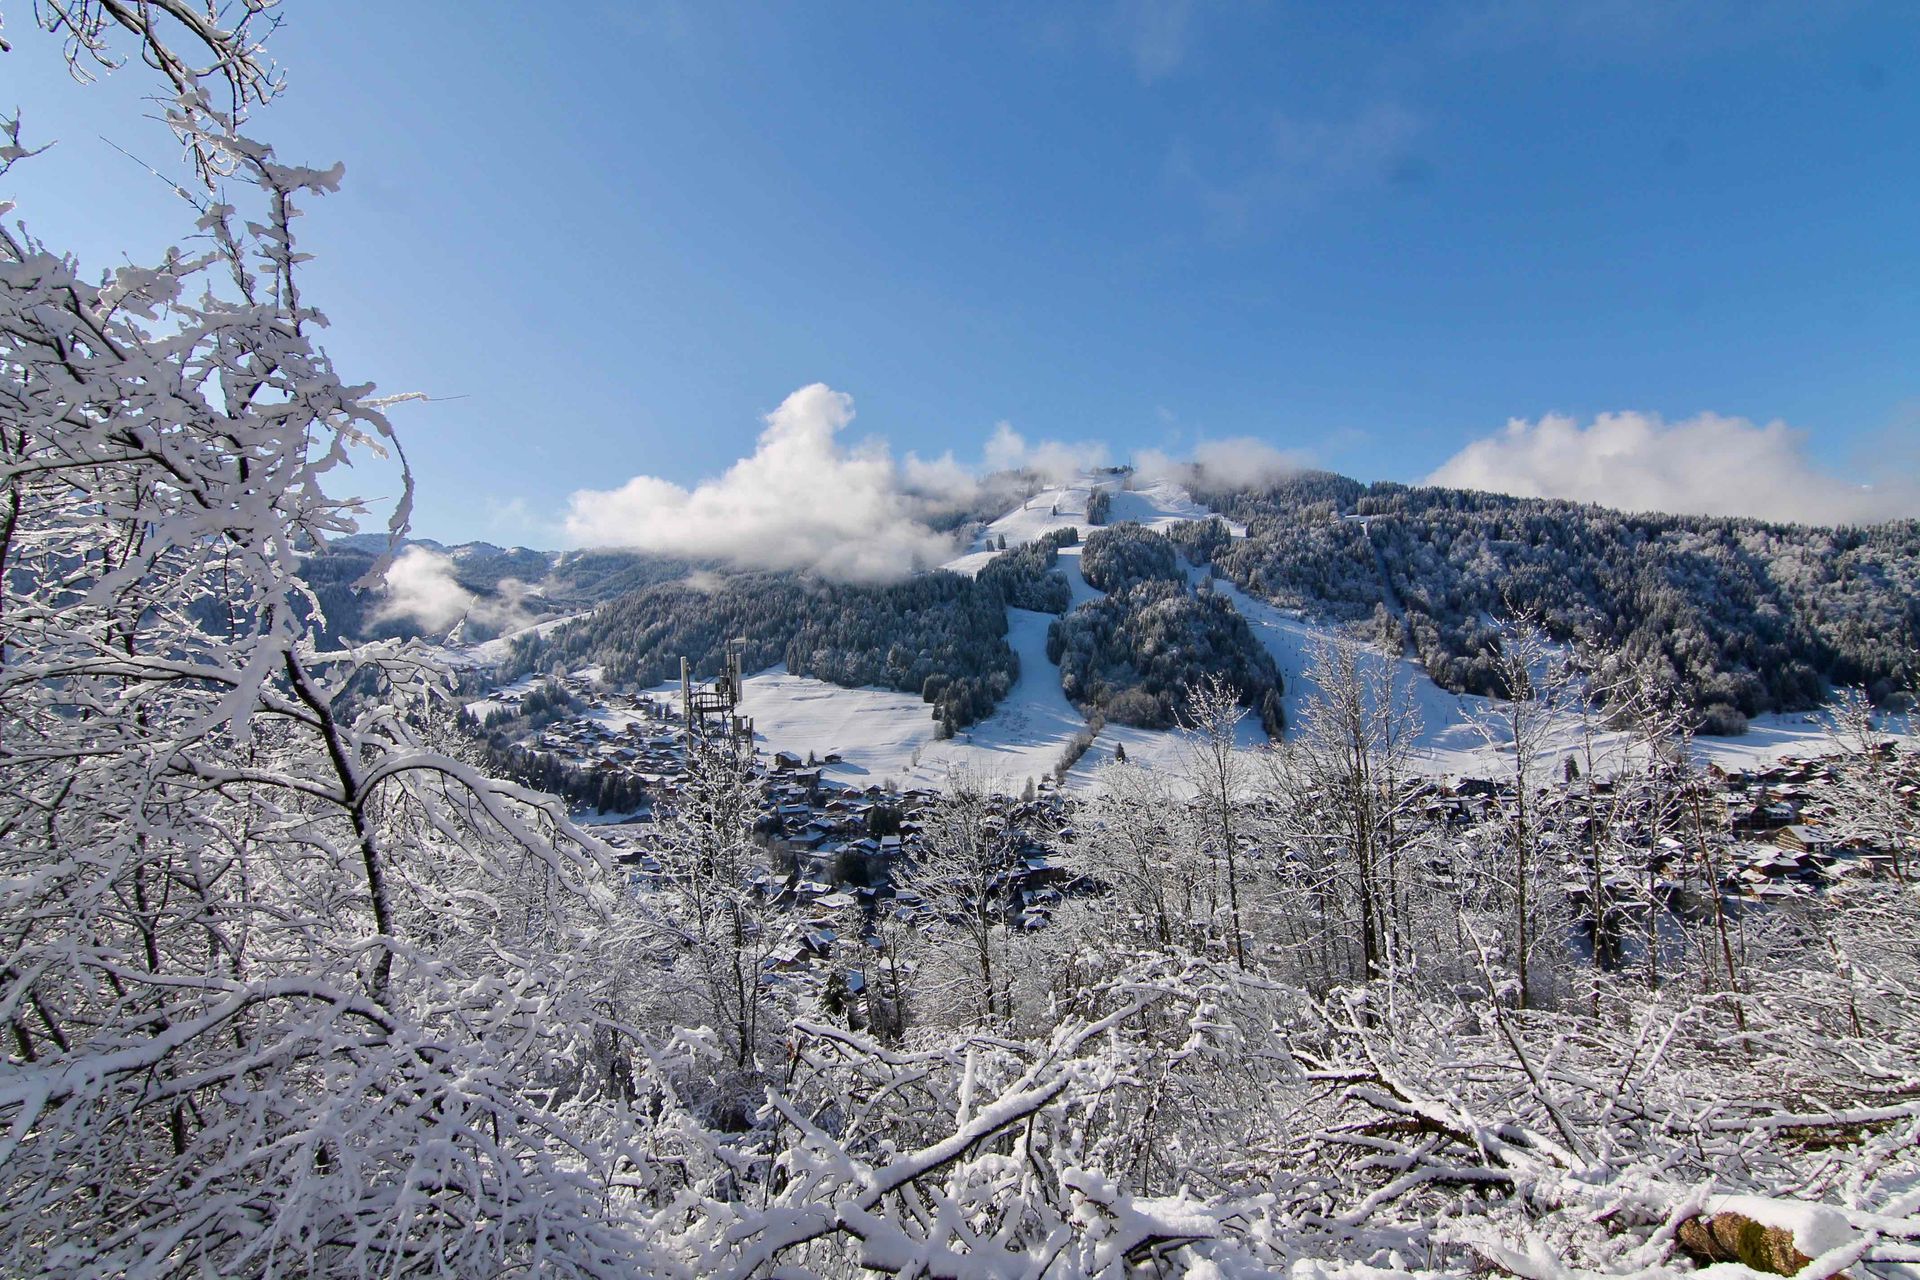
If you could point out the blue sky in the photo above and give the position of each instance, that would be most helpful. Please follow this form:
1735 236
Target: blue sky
614 236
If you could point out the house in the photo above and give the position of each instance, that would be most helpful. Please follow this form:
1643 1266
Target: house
1803 839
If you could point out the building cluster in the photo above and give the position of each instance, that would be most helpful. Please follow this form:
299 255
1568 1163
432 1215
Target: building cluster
842 858
1797 823
1769 832
838 855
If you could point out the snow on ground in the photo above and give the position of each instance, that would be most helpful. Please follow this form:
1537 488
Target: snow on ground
882 735
878 732
1447 734
492 652
1449 742
1166 749
1083 590
1158 506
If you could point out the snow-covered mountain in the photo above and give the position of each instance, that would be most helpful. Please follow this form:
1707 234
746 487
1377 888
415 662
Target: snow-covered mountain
880 732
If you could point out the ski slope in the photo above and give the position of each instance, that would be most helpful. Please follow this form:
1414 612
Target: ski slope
882 735
1158 506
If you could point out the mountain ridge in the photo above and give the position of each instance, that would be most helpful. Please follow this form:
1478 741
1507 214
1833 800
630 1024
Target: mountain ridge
1748 616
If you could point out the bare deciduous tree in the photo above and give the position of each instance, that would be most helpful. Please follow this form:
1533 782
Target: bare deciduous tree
1130 836
1220 779
1874 808
721 923
1338 787
962 869
1520 727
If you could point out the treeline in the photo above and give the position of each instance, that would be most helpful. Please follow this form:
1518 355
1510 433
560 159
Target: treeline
1312 560
941 635
1200 540
1130 656
1026 577
1744 617
1115 558
601 788
938 627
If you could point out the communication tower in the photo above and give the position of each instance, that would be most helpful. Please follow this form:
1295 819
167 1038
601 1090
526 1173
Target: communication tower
714 708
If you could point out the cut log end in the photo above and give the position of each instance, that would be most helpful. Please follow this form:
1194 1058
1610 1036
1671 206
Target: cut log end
1734 1237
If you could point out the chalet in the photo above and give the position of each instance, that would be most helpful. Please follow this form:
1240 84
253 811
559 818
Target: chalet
1765 817
788 955
1803 839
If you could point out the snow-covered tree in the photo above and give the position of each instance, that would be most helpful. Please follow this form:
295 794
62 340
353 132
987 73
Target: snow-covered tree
1519 726
1132 839
962 869
719 925
289 986
1338 785
1220 779
1874 807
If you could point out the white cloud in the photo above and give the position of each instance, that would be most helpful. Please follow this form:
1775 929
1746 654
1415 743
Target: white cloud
1234 462
1008 450
943 480
1706 465
420 585
1243 460
801 501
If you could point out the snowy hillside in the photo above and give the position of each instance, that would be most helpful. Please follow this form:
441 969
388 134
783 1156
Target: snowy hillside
885 735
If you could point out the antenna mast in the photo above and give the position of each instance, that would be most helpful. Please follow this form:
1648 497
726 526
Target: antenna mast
714 709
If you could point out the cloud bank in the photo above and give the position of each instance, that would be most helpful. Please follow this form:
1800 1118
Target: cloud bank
1234 462
1008 450
420 586
1705 465
807 500
801 501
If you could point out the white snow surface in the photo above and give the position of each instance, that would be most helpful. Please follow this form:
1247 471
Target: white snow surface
883 735
1157 506
492 652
